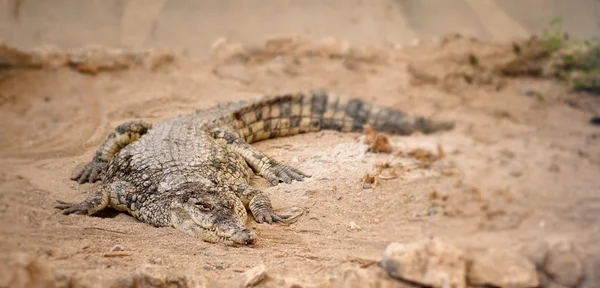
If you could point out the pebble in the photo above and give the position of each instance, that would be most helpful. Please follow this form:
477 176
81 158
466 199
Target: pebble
116 248
219 265
338 197
527 92
516 173
353 226
366 186
207 254
432 210
208 268
156 261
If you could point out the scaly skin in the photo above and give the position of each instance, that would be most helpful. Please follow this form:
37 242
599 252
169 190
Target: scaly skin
191 172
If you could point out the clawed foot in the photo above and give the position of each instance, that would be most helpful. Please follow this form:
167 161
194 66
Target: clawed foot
90 172
70 208
284 173
268 216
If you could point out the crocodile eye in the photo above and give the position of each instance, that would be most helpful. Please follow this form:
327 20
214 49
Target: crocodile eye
203 206
225 204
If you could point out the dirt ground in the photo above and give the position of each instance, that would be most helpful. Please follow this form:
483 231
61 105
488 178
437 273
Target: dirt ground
517 169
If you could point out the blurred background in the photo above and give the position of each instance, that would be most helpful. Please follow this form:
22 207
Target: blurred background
190 26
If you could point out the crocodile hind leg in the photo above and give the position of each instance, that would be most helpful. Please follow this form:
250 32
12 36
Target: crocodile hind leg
94 203
120 137
115 195
262 164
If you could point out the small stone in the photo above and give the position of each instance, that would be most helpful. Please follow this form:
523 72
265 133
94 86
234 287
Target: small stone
366 185
291 214
254 276
116 248
156 261
429 262
516 173
338 197
527 92
311 192
219 265
207 254
295 159
501 268
208 268
432 210
563 265
353 226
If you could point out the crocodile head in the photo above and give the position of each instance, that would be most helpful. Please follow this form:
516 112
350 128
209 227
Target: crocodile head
214 216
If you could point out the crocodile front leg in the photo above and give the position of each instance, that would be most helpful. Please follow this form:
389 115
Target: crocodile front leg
120 137
256 201
262 164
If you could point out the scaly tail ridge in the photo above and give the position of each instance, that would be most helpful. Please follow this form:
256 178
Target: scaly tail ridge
291 114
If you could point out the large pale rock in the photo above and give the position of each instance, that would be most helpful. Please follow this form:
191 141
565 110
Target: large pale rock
501 268
563 265
429 263
23 270
254 276
372 277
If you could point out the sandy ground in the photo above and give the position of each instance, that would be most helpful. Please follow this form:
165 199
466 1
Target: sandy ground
517 169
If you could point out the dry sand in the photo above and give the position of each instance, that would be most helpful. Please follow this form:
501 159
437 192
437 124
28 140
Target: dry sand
517 169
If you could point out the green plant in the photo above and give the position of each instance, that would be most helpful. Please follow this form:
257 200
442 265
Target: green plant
554 39
579 61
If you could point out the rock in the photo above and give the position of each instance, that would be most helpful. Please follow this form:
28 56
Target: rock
254 276
501 268
563 265
157 59
363 278
536 252
23 270
546 282
592 271
116 248
208 268
219 265
353 226
338 197
366 186
429 263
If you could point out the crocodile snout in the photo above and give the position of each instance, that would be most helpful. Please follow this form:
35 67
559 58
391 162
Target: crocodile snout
243 237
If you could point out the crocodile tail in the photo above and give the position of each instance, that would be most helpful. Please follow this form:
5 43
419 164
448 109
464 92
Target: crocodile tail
291 114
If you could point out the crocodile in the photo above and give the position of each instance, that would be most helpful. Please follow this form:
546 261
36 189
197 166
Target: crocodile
192 172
